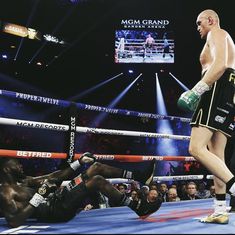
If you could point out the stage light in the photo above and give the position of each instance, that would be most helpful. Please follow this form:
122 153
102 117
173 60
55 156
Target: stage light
179 82
100 118
94 88
4 56
164 146
130 71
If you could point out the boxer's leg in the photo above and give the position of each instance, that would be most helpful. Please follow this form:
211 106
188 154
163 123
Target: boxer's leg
144 177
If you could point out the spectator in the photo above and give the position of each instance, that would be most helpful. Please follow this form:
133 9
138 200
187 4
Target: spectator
191 191
202 191
151 199
174 186
182 191
163 191
122 188
187 166
134 195
153 186
212 191
172 195
135 186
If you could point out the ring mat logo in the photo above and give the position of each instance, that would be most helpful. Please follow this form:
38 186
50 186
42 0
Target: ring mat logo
25 230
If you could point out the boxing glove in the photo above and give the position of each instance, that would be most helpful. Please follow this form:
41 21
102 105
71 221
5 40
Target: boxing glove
42 193
189 100
86 158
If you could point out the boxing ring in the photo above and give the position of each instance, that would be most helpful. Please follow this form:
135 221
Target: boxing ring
134 51
172 217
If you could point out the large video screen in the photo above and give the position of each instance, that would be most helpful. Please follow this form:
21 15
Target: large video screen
144 46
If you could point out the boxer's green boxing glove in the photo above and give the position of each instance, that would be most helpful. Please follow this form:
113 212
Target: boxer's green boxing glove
189 100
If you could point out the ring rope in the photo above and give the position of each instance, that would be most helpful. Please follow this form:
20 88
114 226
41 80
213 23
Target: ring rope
108 157
155 179
111 180
64 103
178 177
59 127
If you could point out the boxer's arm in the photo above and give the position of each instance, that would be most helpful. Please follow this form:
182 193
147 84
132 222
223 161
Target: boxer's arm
16 219
16 215
217 42
13 215
55 177
66 174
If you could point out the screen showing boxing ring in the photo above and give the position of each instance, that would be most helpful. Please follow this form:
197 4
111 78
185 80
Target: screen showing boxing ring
144 46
